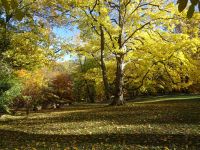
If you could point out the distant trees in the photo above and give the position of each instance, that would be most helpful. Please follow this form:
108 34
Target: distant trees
43 87
32 85
59 90
62 86
84 88
26 44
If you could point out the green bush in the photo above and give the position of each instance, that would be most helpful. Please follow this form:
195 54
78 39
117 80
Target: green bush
9 87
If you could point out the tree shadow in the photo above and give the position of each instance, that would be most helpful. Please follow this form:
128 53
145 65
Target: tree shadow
175 112
17 139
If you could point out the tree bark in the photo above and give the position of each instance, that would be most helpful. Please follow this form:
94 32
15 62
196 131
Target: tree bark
119 82
103 66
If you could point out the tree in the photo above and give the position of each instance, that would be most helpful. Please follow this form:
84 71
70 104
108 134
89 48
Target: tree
33 83
29 50
120 31
86 23
62 86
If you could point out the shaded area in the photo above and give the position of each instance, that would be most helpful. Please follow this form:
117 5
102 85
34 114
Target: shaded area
134 126
165 112
10 139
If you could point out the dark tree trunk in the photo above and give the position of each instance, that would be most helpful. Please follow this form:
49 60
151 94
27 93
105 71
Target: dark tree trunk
103 66
91 92
119 82
27 108
90 95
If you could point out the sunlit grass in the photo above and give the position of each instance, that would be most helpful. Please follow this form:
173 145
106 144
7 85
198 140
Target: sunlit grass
164 98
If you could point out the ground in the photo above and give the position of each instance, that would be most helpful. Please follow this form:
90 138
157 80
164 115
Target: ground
149 123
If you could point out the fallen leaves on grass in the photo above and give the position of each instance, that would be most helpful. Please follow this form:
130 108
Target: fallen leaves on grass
156 123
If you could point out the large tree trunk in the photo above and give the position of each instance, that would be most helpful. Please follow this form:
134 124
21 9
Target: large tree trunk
103 66
119 82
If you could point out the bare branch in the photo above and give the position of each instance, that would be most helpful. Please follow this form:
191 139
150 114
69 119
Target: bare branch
140 28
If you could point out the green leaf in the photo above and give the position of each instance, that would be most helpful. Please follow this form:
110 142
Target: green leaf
182 5
6 5
14 4
191 11
19 15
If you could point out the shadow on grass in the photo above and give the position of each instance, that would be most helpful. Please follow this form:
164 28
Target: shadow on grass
167 112
171 112
16 139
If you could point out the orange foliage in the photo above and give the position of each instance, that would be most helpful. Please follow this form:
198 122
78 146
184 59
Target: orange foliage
62 86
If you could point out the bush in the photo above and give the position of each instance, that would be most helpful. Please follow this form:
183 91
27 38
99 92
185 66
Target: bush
9 87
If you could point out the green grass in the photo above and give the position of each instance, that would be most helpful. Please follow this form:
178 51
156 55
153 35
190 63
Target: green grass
156 123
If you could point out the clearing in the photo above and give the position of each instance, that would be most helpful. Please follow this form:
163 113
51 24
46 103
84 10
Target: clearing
151 123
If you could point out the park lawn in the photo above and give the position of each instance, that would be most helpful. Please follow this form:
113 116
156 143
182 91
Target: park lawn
154 123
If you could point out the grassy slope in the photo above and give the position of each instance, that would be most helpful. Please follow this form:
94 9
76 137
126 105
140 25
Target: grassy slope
152 123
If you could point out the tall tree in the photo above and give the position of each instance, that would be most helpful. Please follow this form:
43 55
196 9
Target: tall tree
123 23
118 25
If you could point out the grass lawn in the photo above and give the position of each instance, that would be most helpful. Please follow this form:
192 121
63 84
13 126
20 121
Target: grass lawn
154 123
